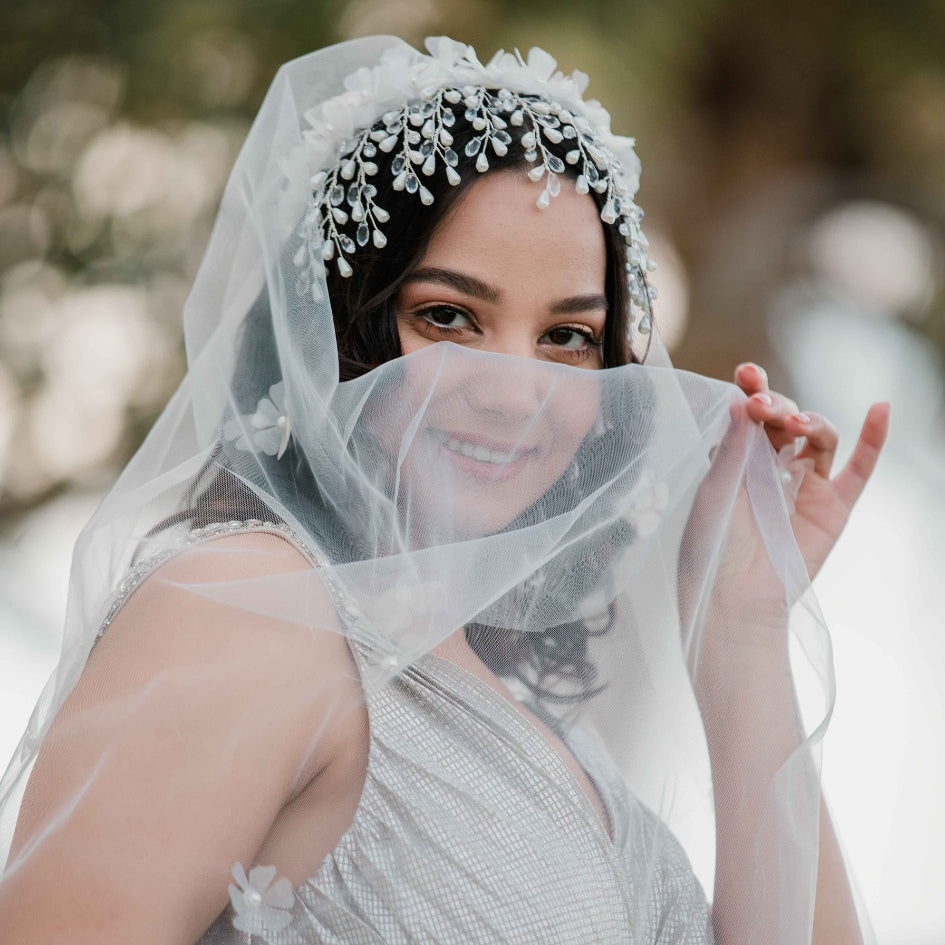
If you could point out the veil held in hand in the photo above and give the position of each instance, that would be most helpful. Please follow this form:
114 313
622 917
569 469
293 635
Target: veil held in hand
583 708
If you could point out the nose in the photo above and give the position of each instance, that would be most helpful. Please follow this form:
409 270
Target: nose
510 390
510 337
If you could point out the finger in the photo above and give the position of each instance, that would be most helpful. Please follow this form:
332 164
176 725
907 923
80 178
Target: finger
770 407
773 409
820 439
751 378
854 476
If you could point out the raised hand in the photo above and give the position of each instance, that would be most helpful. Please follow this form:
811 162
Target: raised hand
823 504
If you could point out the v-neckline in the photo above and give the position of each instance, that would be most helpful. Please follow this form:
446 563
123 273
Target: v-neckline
527 723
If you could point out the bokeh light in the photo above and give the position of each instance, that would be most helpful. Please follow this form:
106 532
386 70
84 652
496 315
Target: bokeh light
794 174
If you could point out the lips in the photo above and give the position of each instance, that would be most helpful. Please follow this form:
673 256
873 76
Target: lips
484 458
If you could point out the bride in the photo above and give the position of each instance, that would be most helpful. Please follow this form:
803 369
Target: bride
437 607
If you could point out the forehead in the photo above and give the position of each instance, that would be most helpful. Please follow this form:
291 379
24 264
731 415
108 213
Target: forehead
497 228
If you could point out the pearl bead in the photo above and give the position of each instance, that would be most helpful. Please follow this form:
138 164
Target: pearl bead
252 897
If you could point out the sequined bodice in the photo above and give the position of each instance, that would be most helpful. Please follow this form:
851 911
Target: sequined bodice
471 828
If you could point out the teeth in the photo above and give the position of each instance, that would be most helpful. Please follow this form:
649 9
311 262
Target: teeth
480 453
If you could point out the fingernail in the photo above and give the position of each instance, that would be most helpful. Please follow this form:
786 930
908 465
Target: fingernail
763 398
801 417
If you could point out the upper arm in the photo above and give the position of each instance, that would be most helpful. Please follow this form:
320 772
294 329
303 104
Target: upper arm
193 723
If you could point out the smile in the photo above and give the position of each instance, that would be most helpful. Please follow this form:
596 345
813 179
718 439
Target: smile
494 462
475 451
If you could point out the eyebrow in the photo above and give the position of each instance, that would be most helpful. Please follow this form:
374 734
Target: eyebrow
470 285
580 303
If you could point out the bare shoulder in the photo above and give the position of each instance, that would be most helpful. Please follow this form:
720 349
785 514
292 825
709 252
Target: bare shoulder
246 592
242 613
198 707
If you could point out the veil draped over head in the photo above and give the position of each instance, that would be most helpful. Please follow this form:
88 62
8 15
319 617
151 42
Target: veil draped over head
459 646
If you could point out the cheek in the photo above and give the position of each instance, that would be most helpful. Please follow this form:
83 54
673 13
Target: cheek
572 414
409 333
576 409
410 340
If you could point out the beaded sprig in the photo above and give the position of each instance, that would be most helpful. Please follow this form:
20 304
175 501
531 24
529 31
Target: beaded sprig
420 133
408 104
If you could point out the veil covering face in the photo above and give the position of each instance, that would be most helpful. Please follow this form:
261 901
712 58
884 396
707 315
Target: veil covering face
581 636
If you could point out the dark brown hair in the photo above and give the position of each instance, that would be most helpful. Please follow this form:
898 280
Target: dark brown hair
363 304
554 664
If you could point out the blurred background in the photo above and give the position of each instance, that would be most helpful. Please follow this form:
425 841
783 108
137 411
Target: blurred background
794 185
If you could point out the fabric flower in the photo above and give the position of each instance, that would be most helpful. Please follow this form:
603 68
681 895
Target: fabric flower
363 80
501 61
405 606
396 76
267 430
339 114
542 64
403 73
449 63
580 81
262 907
651 497
447 50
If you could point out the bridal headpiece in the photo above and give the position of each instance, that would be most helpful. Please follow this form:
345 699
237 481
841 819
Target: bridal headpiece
403 113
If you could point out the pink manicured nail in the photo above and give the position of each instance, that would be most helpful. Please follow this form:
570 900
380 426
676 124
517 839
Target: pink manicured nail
801 417
763 398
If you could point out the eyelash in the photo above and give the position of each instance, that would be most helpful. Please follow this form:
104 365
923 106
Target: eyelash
576 354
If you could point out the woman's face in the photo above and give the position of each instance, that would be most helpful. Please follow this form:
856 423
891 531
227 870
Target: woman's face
501 275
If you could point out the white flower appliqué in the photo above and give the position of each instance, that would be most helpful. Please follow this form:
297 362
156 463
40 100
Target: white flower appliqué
405 614
266 430
403 607
262 907
650 501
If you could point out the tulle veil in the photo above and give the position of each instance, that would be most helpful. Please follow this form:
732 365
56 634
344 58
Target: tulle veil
600 574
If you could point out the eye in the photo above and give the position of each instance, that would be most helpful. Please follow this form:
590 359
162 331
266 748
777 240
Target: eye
572 338
446 318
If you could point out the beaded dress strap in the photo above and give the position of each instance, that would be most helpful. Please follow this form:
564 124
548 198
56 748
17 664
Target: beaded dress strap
343 601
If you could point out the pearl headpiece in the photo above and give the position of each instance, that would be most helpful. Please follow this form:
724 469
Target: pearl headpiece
408 104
